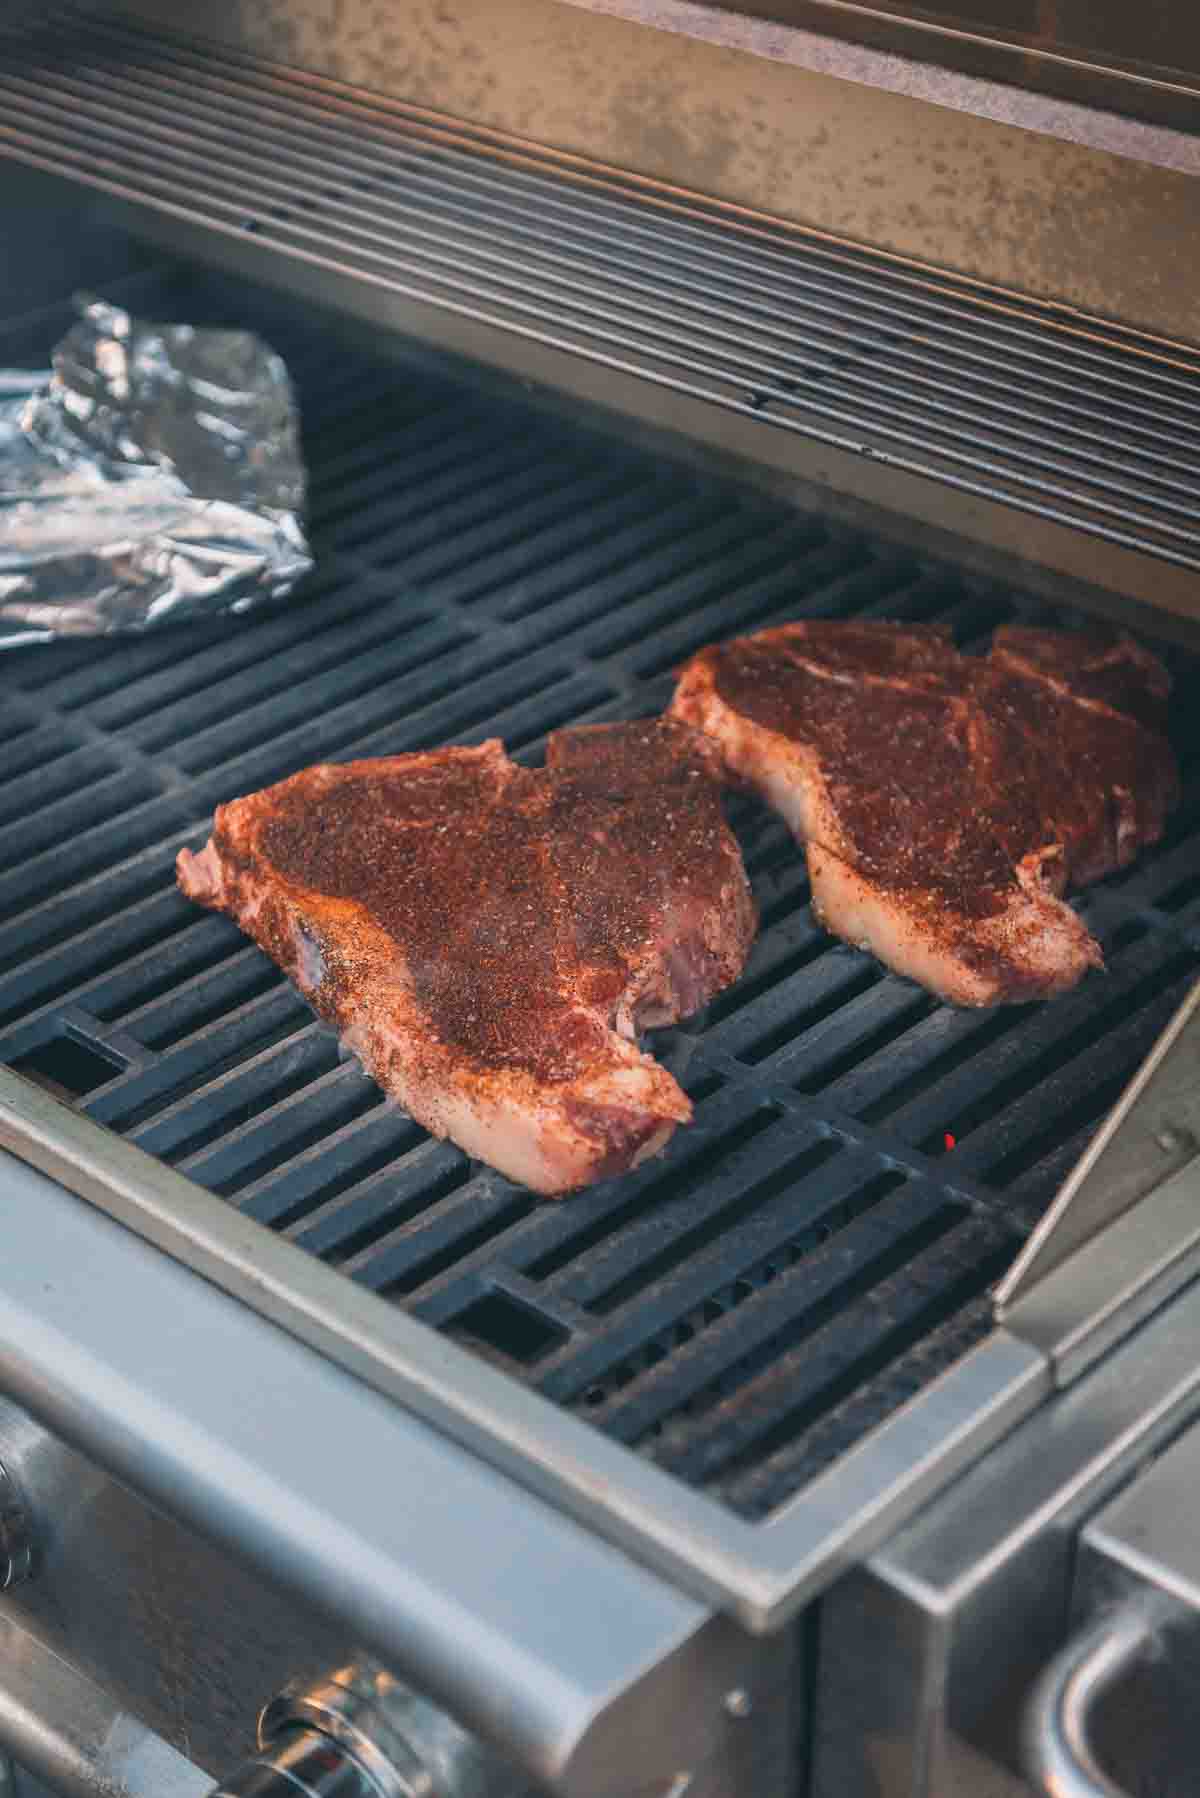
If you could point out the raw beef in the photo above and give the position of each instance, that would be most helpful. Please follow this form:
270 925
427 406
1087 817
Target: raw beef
947 801
489 939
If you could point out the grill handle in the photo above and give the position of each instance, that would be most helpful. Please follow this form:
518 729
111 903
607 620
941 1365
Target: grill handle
1058 1753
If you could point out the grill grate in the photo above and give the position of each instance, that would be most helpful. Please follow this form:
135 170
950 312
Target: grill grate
1087 425
808 1254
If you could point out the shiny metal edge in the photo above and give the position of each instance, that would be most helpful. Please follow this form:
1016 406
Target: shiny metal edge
454 1576
1107 1288
63 1729
762 1573
1057 1734
1093 1195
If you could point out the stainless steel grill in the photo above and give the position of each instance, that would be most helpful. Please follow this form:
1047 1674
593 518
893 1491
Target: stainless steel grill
809 1254
778 1466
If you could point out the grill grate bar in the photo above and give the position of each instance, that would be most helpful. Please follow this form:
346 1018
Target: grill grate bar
934 378
554 298
335 116
720 1330
722 328
757 1491
811 1372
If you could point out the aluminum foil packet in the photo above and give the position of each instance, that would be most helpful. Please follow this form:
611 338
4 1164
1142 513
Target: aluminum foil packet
153 477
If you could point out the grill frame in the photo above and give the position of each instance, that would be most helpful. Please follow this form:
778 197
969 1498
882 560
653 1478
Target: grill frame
763 1569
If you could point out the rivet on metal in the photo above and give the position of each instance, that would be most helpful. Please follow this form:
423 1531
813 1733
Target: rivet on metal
737 1703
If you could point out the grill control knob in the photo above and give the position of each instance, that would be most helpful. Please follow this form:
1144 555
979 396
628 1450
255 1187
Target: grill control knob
16 1534
300 1764
362 1734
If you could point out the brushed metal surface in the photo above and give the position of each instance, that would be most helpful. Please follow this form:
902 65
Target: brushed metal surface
1093 228
462 1582
867 385
1097 1297
1152 1132
71 1734
934 1644
1058 1747
1048 64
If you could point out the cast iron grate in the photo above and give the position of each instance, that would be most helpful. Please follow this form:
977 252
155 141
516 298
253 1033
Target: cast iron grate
811 1252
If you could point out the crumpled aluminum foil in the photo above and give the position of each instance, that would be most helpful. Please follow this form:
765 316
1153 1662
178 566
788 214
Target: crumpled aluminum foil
153 477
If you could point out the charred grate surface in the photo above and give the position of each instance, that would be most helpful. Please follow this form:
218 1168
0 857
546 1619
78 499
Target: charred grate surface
1079 422
810 1253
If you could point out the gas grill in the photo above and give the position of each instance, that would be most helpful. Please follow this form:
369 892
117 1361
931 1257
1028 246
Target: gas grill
733 1476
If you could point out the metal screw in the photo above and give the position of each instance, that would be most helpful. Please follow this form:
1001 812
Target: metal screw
738 1703
1168 1140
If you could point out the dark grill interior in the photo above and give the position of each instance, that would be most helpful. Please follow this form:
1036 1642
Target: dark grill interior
864 1161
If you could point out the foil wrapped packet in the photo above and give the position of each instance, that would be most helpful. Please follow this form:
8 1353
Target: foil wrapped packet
154 476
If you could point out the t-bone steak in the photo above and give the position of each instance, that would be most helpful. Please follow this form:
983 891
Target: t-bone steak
946 800
489 939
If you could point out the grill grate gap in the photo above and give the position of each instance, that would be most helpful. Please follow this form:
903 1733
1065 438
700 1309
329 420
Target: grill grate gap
771 1359
511 1329
68 1067
758 1194
759 1120
1033 1074
509 1212
893 1338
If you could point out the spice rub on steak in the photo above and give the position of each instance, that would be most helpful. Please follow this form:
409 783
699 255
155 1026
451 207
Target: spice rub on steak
488 939
947 801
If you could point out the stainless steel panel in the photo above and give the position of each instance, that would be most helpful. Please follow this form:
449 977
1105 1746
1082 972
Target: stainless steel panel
71 1734
1107 1288
1152 1530
938 1639
1152 1132
765 1573
795 126
1131 63
1137 1584
463 1583
171 1629
1058 1746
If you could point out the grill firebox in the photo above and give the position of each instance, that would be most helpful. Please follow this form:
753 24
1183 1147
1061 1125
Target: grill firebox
864 1163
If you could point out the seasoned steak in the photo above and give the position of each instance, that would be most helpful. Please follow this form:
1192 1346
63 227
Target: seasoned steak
947 801
489 939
